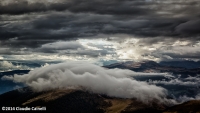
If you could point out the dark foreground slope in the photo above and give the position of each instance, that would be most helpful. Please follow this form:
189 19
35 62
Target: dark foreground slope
192 106
79 101
76 101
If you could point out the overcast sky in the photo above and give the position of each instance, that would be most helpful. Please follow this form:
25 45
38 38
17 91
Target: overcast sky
96 30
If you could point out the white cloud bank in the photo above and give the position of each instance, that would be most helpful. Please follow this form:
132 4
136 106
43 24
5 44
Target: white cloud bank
112 82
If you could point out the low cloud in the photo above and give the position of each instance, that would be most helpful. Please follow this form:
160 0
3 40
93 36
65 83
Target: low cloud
112 82
175 82
185 98
180 88
8 66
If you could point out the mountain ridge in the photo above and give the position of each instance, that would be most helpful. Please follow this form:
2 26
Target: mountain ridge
153 67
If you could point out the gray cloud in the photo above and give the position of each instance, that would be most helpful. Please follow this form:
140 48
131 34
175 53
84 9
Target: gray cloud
74 49
61 46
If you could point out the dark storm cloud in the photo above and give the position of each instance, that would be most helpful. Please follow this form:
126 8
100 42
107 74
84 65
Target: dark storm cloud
23 6
96 6
48 28
142 18
189 27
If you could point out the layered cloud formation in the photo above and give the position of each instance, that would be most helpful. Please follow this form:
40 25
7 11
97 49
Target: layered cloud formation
111 82
57 29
